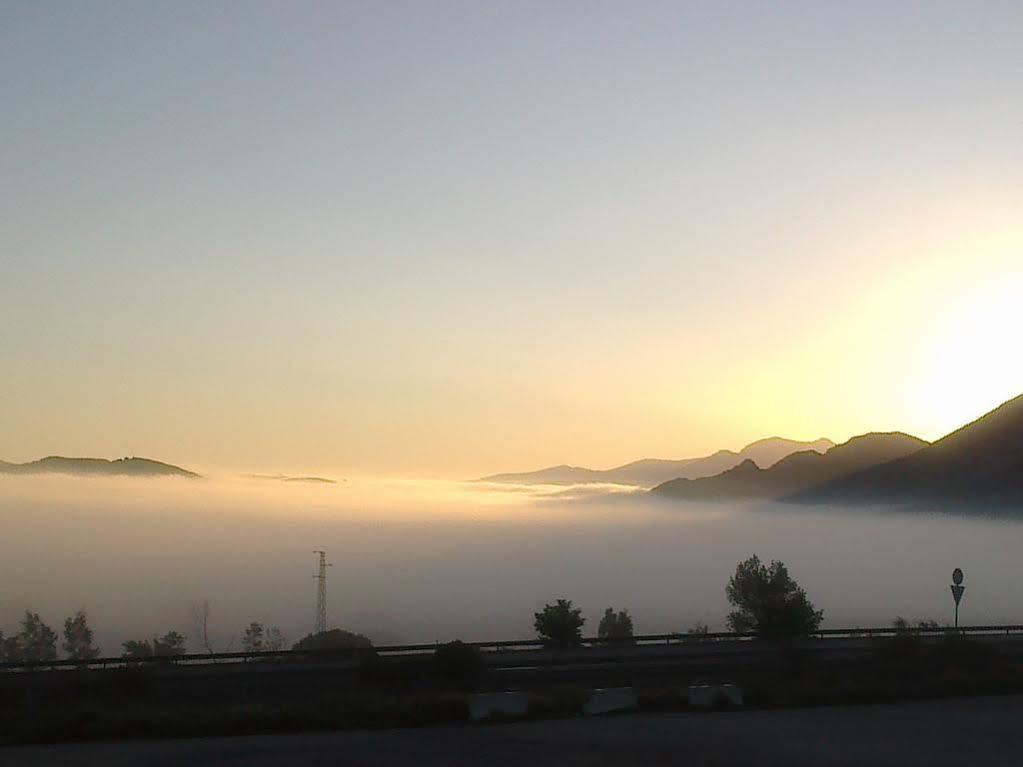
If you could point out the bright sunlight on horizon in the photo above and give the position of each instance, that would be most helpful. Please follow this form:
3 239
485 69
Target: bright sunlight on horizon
448 240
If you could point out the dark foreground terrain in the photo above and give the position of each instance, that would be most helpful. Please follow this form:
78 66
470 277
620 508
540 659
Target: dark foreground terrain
371 689
967 731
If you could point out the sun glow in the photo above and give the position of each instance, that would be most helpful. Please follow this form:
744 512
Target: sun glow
973 362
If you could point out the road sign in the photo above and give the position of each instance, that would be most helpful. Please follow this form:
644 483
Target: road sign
957 590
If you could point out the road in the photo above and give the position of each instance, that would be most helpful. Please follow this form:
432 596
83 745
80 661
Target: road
973 731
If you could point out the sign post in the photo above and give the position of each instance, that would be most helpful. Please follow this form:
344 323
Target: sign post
957 591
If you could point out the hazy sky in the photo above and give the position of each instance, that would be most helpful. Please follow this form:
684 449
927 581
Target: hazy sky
455 238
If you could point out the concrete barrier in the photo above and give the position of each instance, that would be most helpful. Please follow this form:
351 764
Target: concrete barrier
733 694
703 695
714 695
609 700
488 704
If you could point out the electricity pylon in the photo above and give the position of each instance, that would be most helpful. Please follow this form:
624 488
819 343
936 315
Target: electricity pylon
321 593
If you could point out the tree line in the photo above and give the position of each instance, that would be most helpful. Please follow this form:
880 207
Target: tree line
767 602
37 642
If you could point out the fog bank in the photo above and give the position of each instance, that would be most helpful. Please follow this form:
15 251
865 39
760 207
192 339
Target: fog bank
432 560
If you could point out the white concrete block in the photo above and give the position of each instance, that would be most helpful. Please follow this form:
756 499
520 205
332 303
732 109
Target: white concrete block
732 694
610 699
485 705
703 695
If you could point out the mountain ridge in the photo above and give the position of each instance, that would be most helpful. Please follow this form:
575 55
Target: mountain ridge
795 472
649 472
119 467
981 462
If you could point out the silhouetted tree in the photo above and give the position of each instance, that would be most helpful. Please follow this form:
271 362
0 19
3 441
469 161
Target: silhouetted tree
8 648
78 638
35 642
769 603
559 625
259 639
137 648
334 639
615 625
171 643
274 639
252 640
698 629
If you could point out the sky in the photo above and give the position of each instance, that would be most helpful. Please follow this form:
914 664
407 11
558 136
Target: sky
454 238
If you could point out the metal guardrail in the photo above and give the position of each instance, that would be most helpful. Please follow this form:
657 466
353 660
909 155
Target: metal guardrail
513 645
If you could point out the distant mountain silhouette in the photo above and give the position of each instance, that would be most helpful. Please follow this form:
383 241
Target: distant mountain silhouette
794 473
980 464
563 474
286 478
122 467
767 452
649 472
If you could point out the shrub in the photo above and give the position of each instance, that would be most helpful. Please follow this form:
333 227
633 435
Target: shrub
458 660
334 639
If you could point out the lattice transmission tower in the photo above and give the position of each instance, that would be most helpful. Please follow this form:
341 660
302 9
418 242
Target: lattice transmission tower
321 593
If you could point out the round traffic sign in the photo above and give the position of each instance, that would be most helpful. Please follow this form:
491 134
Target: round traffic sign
957 576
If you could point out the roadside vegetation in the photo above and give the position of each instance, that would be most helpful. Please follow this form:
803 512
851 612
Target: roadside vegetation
767 602
355 687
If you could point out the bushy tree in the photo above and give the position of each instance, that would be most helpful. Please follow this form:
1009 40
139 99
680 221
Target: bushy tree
137 648
769 602
560 625
171 643
334 639
35 642
252 640
615 625
274 639
78 642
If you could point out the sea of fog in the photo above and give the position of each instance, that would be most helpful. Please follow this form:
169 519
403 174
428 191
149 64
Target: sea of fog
424 561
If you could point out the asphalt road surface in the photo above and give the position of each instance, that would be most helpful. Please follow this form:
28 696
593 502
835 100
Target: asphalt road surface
973 731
